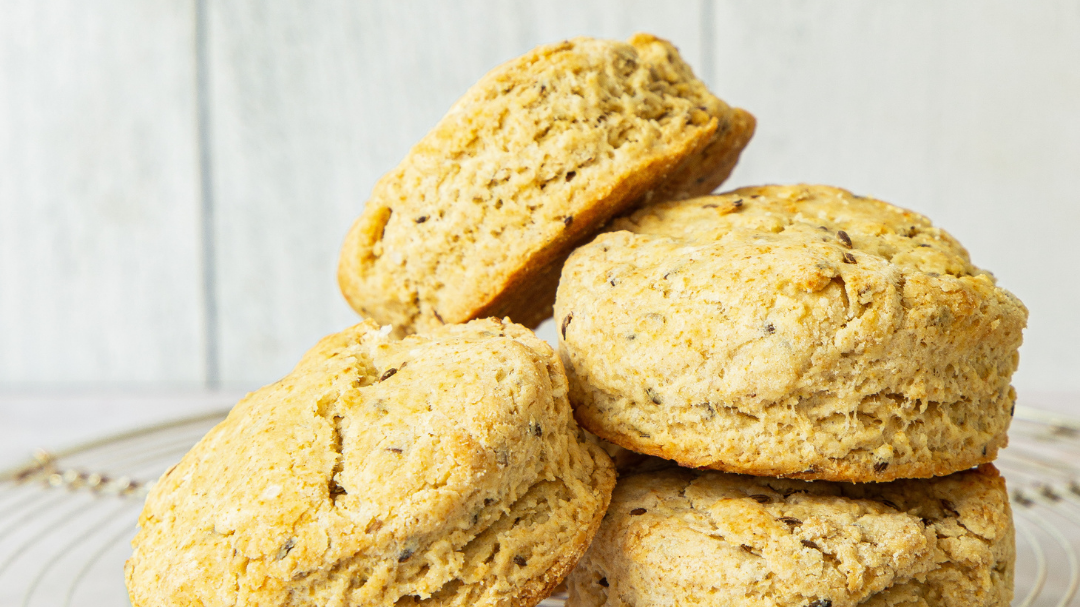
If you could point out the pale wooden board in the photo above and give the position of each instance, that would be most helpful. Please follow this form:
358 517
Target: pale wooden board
967 111
311 103
100 278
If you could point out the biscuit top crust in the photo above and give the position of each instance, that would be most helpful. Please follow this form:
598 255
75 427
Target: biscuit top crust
531 160
840 284
738 541
844 227
377 469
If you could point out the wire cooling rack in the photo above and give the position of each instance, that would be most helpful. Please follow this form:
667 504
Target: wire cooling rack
67 518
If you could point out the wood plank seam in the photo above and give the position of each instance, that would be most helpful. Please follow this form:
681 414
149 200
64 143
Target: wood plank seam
206 192
708 46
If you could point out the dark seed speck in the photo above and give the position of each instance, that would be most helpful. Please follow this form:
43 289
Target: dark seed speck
285 549
638 511
405 555
603 582
388 374
790 520
566 323
519 561
761 499
820 603
653 396
849 258
844 238
569 219
881 466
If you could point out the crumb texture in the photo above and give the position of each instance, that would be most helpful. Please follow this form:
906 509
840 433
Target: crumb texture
680 537
794 331
443 469
479 216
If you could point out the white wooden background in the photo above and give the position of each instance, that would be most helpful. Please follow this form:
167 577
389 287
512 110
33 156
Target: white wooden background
176 176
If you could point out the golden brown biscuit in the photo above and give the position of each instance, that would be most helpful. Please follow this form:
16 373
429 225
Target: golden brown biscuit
478 218
444 469
679 537
790 331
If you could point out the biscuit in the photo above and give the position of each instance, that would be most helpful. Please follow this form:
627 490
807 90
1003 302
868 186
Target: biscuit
680 537
442 469
789 331
479 216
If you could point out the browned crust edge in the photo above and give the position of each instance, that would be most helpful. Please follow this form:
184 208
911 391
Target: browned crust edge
529 293
528 296
826 470
703 173
517 296
540 588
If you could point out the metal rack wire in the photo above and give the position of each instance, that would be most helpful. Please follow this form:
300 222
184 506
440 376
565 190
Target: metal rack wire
66 518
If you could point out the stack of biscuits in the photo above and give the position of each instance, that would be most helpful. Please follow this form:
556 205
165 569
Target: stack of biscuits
802 389
781 333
